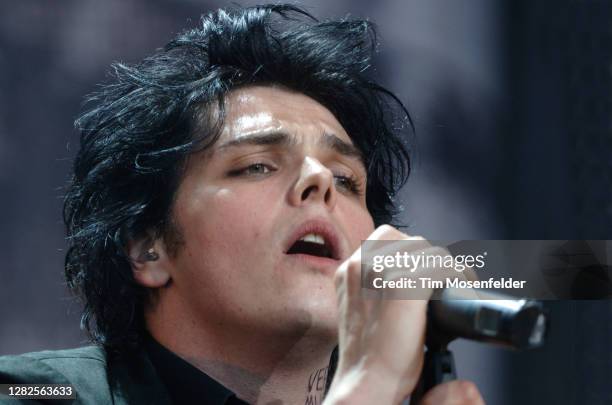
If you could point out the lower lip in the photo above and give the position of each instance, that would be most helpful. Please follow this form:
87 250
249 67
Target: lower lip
322 263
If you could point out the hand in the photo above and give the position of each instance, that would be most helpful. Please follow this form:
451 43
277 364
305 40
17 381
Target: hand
456 392
381 341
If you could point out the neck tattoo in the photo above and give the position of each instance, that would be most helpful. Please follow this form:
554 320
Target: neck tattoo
316 386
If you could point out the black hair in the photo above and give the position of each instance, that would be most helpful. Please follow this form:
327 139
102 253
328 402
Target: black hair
142 126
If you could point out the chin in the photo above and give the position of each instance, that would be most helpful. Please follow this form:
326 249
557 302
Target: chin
319 321
315 313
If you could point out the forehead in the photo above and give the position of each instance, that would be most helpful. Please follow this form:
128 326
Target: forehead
250 110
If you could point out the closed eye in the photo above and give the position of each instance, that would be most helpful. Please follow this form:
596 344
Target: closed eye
348 183
255 169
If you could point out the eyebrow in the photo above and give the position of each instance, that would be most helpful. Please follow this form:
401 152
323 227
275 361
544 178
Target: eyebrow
329 141
336 144
273 138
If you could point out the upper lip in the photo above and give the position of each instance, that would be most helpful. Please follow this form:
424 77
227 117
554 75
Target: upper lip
319 227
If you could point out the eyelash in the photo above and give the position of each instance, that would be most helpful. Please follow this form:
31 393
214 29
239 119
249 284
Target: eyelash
245 170
350 182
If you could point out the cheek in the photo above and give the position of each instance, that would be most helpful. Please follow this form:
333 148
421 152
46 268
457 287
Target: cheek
219 219
359 224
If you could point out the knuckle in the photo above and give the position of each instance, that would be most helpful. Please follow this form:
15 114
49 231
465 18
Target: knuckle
418 243
468 392
385 228
387 232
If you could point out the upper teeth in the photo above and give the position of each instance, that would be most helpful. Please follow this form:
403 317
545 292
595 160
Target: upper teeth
314 238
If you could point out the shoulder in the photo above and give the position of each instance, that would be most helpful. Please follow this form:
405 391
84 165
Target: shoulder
85 368
97 375
49 365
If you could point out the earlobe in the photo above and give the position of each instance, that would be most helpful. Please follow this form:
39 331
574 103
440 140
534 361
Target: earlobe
149 264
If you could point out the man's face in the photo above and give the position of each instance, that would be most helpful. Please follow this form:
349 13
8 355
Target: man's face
283 169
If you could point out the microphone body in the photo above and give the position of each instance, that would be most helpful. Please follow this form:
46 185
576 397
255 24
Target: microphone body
492 318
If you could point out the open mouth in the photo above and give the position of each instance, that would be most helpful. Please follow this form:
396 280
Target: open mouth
312 244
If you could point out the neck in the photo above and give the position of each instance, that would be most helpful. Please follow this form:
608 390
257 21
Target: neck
258 366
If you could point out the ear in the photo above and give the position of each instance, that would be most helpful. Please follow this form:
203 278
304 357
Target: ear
150 264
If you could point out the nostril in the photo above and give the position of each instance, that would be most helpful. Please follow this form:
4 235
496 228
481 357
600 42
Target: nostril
308 190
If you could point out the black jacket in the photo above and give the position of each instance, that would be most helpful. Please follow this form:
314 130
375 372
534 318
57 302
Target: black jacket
97 377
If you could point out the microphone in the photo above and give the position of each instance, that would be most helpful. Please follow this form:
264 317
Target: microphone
492 318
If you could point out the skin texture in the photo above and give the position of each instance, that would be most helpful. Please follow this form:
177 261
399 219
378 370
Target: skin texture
233 303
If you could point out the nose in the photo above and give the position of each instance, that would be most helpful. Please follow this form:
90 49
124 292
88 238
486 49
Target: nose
315 184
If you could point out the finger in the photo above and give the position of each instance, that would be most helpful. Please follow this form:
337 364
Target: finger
401 282
458 392
386 234
401 325
354 310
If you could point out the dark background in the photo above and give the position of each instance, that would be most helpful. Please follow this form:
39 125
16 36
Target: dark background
512 103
